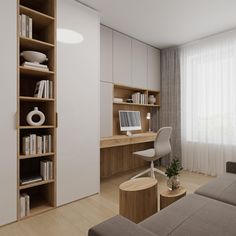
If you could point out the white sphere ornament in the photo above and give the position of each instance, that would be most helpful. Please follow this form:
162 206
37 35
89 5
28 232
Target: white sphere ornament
37 113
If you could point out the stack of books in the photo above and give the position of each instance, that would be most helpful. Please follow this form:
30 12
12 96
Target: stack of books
24 205
44 89
46 169
35 65
140 98
34 144
25 26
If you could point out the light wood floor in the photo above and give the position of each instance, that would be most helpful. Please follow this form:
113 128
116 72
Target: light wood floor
76 218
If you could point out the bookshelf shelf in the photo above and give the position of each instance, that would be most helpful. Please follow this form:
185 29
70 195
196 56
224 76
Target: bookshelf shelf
36 19
34 72
139 96
37 127
36 184
33 99
22 157
135 104
40 18
35 44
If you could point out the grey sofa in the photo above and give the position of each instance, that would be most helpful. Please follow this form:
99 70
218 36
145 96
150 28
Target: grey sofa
211 210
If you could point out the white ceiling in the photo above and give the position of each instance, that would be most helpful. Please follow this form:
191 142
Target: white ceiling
166 23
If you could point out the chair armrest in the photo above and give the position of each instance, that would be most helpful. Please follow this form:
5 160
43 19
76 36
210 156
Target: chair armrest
231 167
117 226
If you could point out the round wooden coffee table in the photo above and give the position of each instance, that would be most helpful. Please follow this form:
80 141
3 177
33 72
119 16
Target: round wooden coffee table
138 198
168 197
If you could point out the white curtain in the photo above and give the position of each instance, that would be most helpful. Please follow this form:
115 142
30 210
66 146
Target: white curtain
208 103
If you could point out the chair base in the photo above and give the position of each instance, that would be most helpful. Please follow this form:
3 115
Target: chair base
152 171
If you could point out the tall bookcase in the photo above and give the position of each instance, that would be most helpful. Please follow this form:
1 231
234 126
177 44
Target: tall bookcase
42 193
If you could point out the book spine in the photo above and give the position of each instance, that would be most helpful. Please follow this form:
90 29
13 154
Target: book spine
23 25
44 143
41 87
33 144
49 143
39 145
22 206
26 145
27 203
27 26
30 27
43 170
51 89
50 170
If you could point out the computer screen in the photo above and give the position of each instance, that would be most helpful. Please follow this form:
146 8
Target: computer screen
130 120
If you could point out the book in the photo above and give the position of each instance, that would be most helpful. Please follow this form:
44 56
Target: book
30 180
27 203
51 89
33 144
44 170
23 25
39 145
33 64
26 145
39 88
30 28
22 206
49 143
50 169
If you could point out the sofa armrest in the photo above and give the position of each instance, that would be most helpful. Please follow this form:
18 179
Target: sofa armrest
117 226
231 167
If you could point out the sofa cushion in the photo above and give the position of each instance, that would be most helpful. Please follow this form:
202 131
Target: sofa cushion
118 226
222 189
194 215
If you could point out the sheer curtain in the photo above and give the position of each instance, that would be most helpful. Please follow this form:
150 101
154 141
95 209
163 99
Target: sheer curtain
208 103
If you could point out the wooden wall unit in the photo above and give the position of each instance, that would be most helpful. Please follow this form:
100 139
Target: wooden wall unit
42 194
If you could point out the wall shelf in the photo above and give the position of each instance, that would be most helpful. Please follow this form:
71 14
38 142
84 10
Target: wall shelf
34 72
42 194
33 99
35 44
22 157
36 184
135 104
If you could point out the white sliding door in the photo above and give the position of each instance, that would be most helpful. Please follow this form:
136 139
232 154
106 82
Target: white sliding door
78 70
8 61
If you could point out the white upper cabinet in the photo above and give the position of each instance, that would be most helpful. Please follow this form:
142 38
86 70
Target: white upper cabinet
106 94
106 54
139 64
153 68
122 57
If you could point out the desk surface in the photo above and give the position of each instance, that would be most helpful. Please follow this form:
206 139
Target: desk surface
121 140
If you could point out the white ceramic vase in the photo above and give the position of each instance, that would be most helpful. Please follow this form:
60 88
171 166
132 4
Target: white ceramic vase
38 113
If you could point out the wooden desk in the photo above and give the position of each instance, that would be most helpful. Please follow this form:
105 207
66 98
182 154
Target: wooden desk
116 152
121 140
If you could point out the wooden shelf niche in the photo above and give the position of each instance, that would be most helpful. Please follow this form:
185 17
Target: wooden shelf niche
42 194
125 92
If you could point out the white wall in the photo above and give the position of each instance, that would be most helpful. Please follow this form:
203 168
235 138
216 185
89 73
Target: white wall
8 62
78 70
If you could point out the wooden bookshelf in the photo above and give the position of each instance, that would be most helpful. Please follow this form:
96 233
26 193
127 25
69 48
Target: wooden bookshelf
125 92
42 193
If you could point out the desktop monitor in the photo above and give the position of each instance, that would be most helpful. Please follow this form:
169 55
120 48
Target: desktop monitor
130 120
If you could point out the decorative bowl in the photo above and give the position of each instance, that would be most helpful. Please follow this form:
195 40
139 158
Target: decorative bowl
33 56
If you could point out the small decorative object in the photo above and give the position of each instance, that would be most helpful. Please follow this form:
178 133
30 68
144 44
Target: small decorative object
149 120
151 99
129 100
38 114
33 56
172 173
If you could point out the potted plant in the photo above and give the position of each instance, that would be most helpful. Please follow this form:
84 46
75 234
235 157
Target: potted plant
172 172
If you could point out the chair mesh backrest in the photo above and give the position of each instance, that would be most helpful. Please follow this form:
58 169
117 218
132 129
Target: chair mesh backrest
162 142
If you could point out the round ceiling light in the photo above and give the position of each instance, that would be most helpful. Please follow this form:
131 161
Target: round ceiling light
69 36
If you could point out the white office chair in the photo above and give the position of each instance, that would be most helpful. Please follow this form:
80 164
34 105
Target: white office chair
161 148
